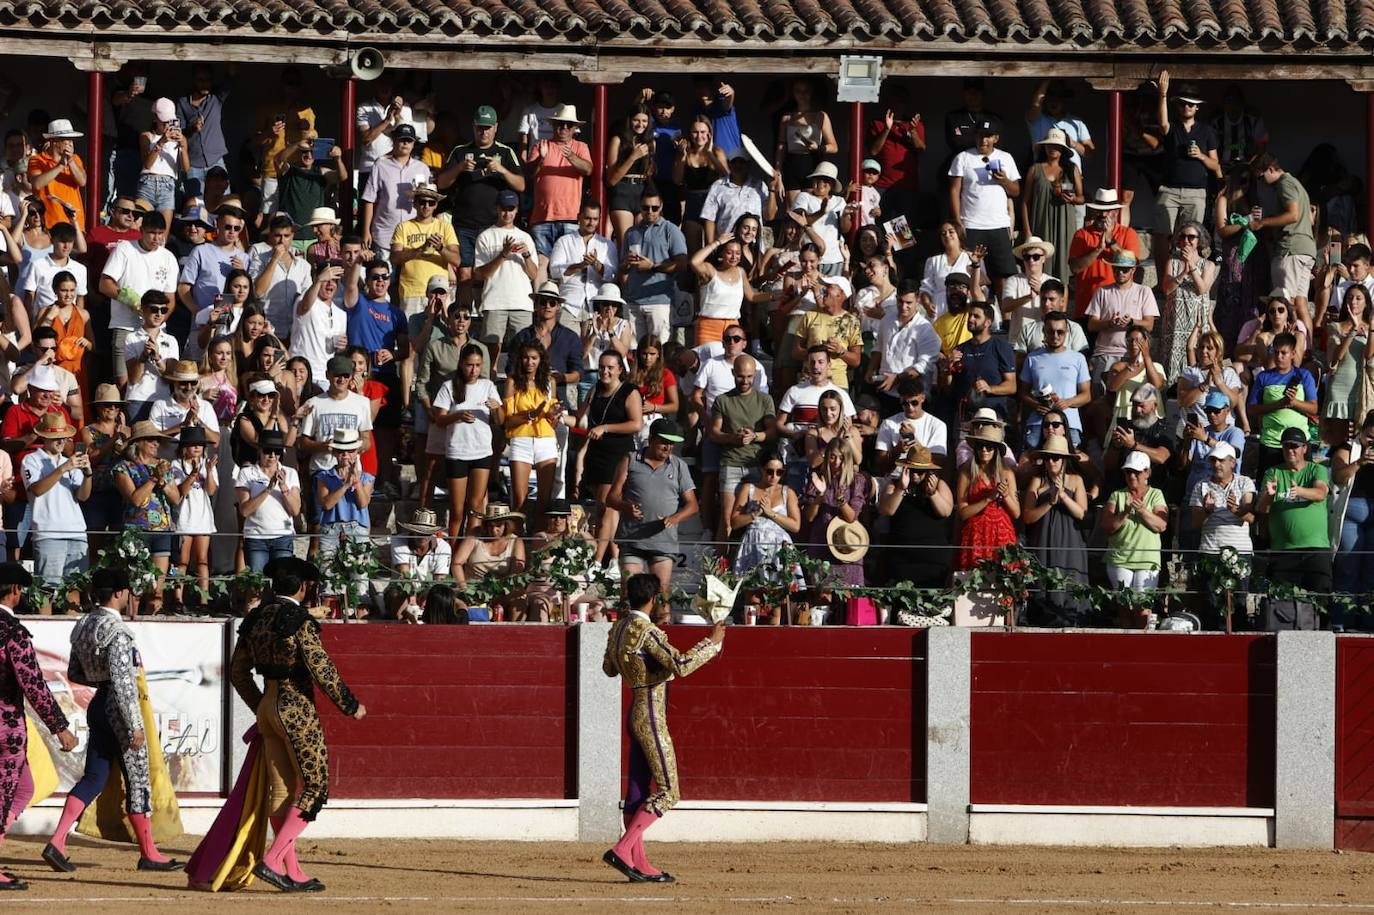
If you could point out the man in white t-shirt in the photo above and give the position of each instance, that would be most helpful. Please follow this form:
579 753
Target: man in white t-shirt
321 329
337 408
912 426
506 265
146 351
983 183
715 374
37 289
136 267
799 408
420 552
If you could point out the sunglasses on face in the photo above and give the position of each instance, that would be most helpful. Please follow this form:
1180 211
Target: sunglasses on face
426 202
650 208
125 211
733 338
378 276
772 471
984 446
231 227
186 384
913 402
261 394
1055 331
272 452
1054 424
1217 409
344 377
1190 237
1123 269
1035 257
158 310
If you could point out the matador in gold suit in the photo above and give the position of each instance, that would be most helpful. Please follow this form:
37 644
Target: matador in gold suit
281 641
639 651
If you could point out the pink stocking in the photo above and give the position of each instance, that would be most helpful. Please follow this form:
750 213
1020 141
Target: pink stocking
293 867
293 824
639 860
143 829
630 848
71 812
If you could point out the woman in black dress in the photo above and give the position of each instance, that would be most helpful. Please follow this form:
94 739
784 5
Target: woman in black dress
920 505
612 416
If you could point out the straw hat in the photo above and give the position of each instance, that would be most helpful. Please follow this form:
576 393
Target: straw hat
1104 198
848 540
54 425
345 440
986 415
180 370
323 216
828 171
1035 241
501 512
61 129
566 114
143 429
422 521
426 189
917 457
1057 137
989 433
1057 446
1124 258
106 394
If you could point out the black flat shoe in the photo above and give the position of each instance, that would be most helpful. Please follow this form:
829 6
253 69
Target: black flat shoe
309 886
664 877
13 884
145 865
615 861
56 860
280 881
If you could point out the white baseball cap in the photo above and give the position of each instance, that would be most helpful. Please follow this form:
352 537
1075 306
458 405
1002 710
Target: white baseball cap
1136 460
1222 450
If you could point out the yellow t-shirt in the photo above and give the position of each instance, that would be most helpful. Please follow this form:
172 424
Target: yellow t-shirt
819 326
415 273
952 330
522 402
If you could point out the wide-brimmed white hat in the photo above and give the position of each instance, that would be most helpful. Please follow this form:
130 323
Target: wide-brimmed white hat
1057 137
1035 241
345 440
752 151
609 292
322 216
826 170
565 113
61 129
1104 198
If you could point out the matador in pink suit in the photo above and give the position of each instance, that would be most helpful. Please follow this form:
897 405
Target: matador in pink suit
640 653
20 678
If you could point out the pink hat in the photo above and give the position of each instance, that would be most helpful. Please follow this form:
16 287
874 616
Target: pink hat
164 110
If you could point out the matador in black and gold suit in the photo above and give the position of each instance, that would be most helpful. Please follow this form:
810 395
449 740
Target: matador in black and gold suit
639 652
281 641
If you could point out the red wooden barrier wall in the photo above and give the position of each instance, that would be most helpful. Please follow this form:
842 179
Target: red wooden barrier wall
454 712
797 714
1355 743
1122 720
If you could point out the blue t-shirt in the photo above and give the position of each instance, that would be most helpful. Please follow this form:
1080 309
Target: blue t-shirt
659 242
206 268
1062 371
347 508
724 126
665 151
1268 387
374 326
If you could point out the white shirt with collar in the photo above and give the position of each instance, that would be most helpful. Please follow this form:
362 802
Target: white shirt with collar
913 345
289 281
577 286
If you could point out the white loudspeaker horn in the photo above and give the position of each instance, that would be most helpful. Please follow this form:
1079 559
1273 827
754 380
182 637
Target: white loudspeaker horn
367 63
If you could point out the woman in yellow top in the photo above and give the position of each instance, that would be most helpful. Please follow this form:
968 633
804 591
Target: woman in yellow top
532 408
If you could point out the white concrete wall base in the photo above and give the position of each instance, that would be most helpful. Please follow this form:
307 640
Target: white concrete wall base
1122 830
721 822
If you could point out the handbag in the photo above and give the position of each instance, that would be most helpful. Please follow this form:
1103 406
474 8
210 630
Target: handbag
861 611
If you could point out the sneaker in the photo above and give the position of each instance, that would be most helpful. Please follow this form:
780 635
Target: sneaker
613 571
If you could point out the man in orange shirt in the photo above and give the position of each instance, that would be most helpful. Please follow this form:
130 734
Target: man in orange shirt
58 175
1095 245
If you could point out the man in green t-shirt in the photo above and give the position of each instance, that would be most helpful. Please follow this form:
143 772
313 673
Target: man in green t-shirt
741 424
1293 496
1292 243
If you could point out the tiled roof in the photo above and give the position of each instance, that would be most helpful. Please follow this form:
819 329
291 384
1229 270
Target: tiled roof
1314 24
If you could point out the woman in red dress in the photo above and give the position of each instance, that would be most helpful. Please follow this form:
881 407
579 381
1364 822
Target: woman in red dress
987 500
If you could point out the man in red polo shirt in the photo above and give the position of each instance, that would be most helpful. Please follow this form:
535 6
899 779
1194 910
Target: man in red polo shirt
1095 245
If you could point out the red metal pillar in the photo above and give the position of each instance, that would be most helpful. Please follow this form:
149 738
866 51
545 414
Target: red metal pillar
348 112
1369 157
1114 140
856 153
95 152
600 137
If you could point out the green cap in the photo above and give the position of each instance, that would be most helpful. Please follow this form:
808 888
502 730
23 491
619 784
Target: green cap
485 116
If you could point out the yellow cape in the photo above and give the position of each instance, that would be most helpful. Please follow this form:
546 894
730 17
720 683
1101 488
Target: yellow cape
235 871
105 818
41 768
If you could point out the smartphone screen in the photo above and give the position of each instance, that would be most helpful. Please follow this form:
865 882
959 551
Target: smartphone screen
1333 252
80 447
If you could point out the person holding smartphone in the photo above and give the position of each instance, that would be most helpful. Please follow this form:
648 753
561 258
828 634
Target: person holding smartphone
164 158
55 483
269 495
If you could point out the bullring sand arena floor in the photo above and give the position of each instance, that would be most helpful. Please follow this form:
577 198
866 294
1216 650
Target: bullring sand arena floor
533 878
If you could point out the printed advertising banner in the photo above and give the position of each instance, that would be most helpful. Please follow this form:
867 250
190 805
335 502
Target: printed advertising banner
184 664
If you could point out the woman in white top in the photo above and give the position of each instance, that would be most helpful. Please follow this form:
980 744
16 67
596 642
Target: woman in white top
724 287
953 259
164 158
607 331
878 299
801 292
467 406
197 479
1021 293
